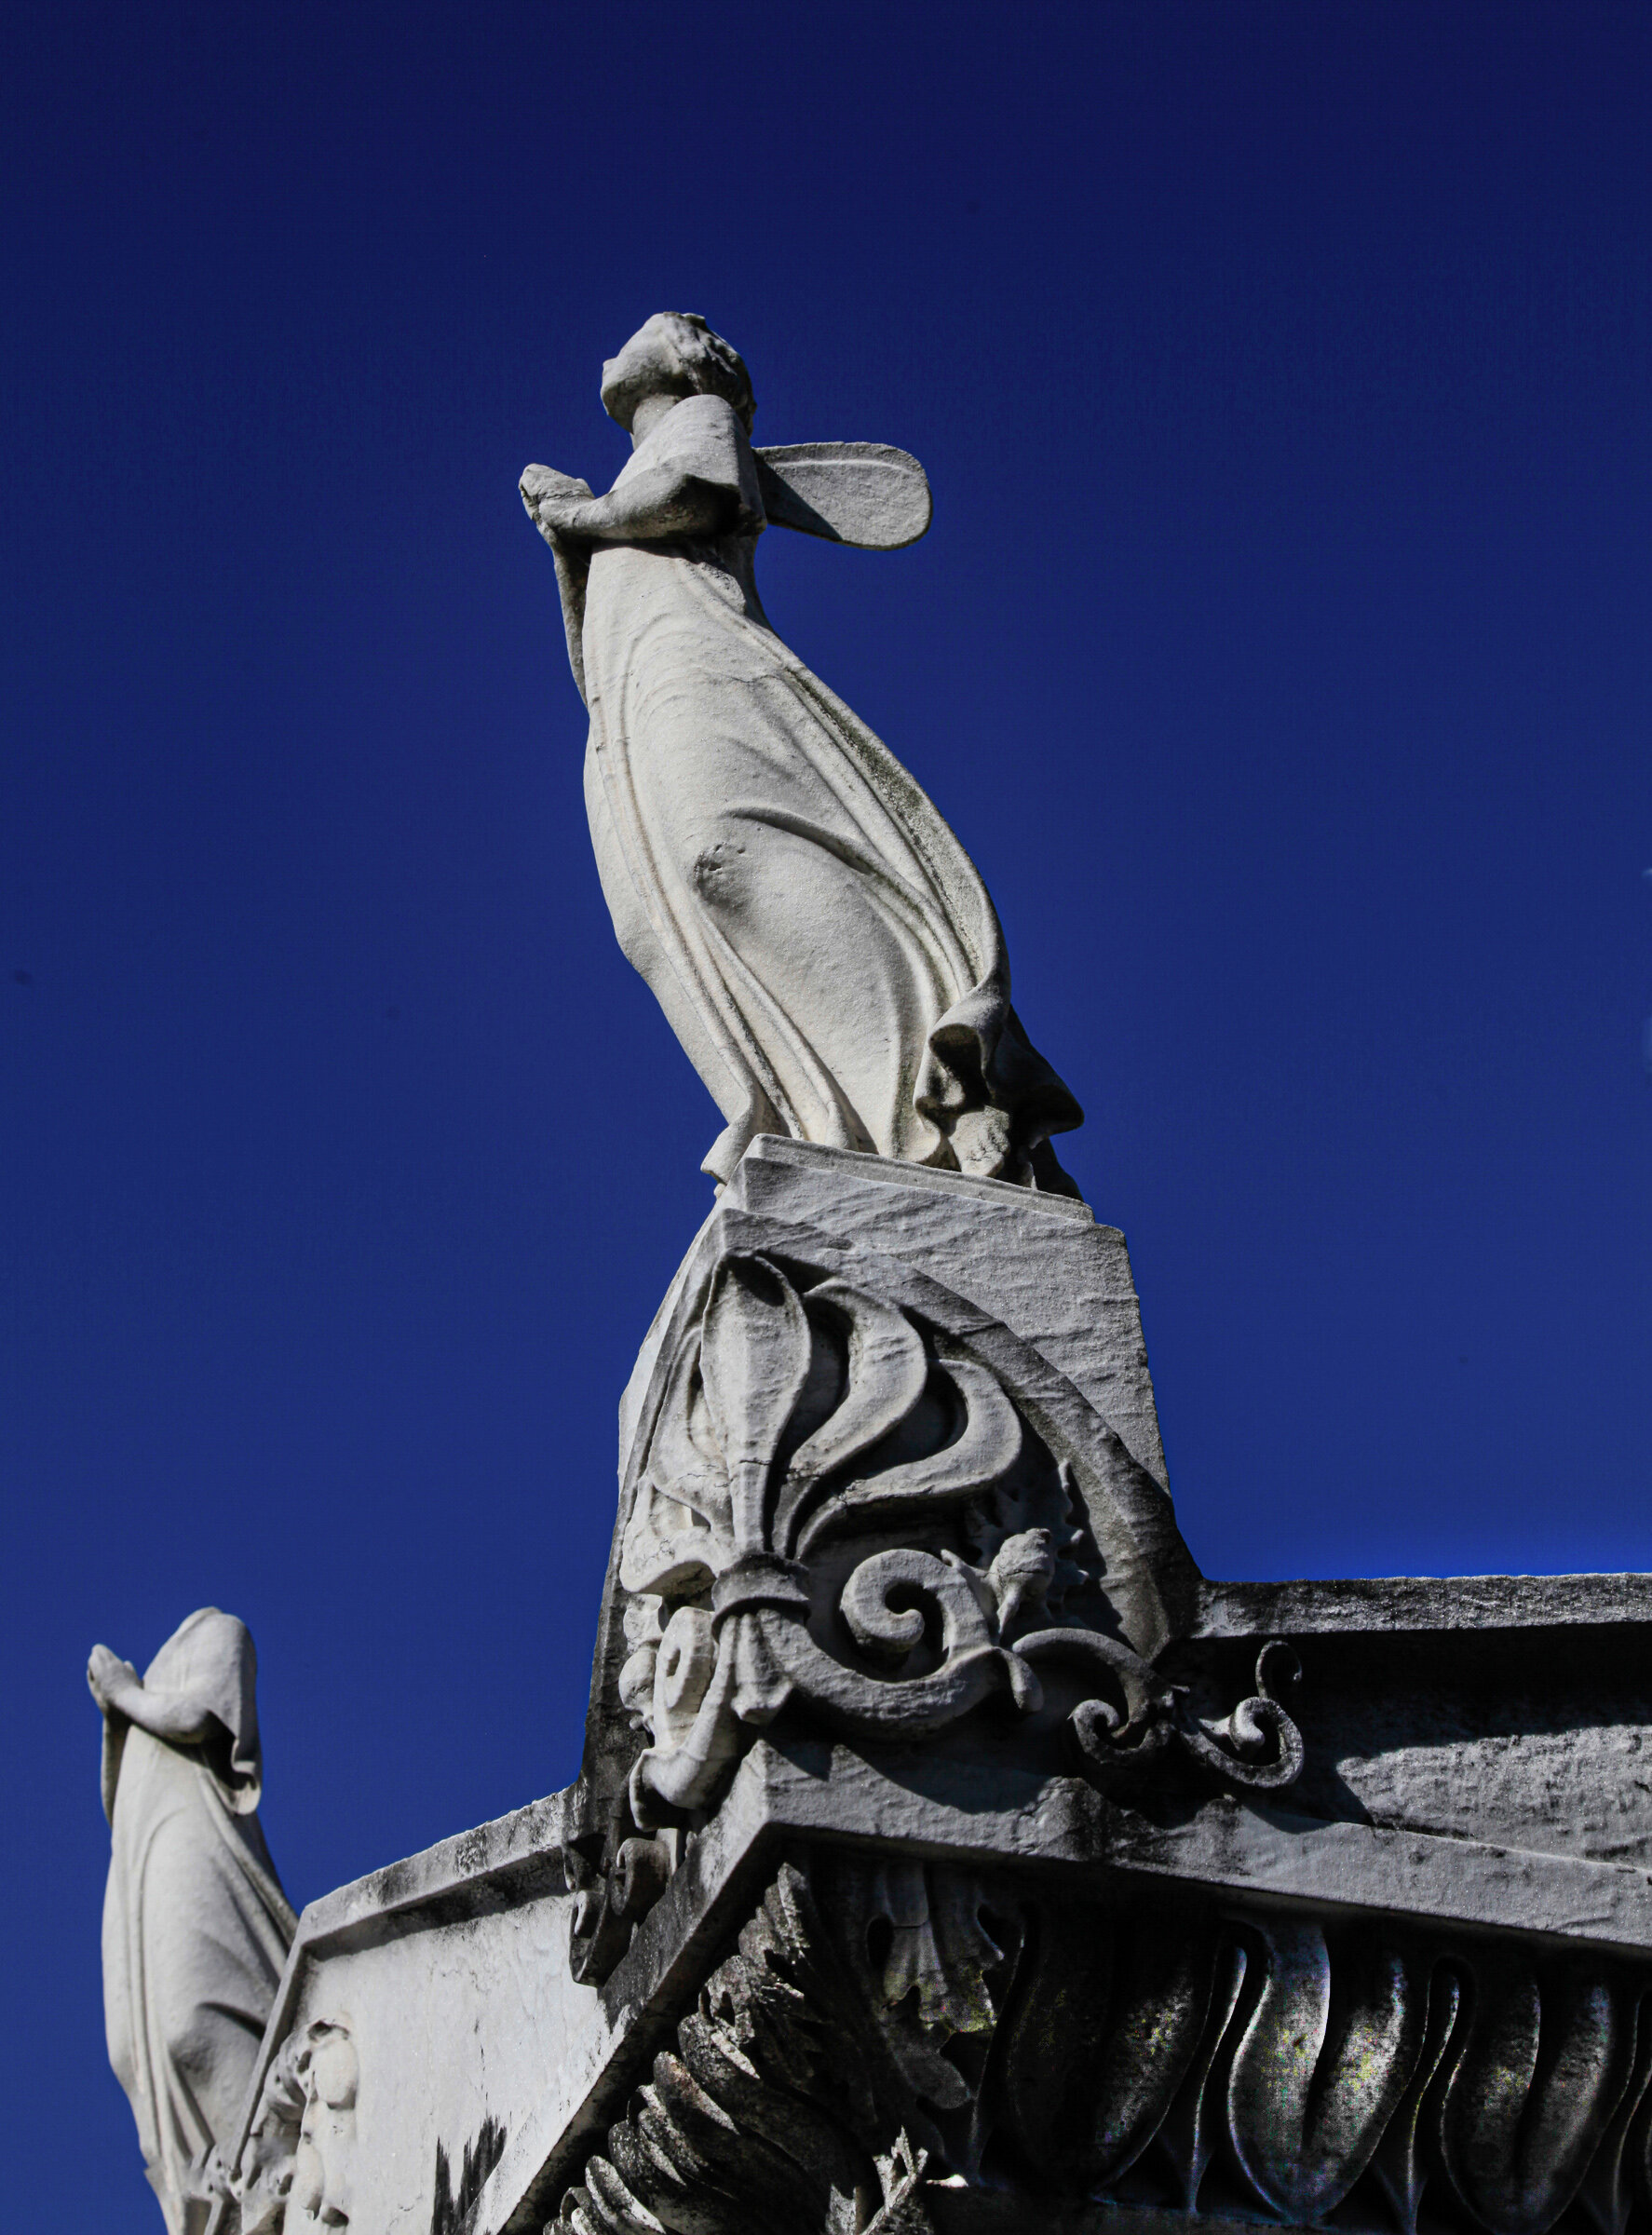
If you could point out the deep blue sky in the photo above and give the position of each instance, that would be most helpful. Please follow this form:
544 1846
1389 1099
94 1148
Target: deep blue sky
1281 650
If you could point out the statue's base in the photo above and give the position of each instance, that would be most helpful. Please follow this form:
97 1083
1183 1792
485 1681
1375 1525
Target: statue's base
984 1978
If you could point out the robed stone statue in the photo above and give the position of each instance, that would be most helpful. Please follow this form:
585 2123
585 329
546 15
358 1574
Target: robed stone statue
817 938
195 1925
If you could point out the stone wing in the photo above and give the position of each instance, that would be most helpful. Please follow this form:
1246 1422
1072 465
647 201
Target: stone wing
867 493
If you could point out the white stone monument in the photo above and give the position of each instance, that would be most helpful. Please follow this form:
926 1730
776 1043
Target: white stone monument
950 1856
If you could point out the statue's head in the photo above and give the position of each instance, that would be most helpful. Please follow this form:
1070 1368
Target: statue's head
675 354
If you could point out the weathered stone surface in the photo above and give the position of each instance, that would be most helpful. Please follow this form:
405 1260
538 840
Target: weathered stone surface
1508 1708
1177 2055
448 1975
1039 1263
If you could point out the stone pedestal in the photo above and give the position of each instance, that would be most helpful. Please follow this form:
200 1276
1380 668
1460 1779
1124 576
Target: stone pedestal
950 1854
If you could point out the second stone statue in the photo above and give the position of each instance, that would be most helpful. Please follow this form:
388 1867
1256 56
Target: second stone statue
817 938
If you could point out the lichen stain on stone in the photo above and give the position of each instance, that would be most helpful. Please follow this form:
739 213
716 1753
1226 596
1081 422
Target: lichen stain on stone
453 2211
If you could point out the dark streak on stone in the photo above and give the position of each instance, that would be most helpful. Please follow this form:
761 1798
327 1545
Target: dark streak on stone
452 2212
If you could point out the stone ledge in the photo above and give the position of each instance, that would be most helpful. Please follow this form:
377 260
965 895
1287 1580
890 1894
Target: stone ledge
1413 1603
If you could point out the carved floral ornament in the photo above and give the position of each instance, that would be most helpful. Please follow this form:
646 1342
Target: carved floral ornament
843 1508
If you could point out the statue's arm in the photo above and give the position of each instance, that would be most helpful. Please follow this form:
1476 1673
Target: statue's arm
118 1689
654 505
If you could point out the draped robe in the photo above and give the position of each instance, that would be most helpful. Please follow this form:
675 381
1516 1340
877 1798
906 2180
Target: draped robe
820 941
196 1926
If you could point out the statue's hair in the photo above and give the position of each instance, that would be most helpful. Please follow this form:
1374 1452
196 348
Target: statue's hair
711 365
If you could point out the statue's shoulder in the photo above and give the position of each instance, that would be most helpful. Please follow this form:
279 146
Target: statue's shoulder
703 435
700 425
